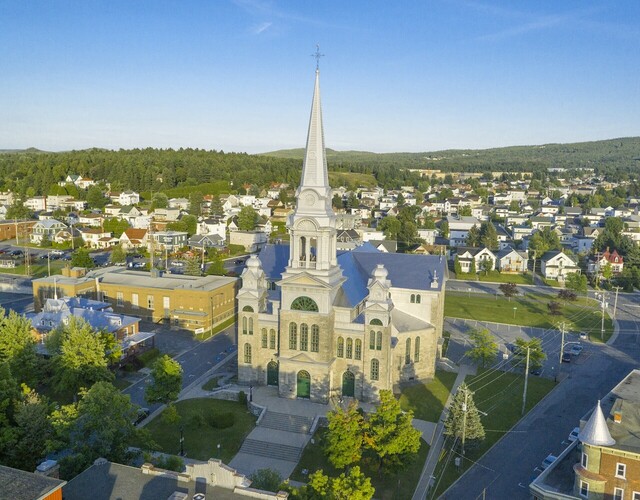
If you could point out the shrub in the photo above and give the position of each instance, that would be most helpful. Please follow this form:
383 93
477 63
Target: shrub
242 398
148 357
266 479
221 420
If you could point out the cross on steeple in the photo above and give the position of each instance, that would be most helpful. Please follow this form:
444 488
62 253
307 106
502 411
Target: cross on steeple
317 56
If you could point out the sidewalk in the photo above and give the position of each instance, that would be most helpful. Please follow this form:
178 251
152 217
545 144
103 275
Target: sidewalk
438 438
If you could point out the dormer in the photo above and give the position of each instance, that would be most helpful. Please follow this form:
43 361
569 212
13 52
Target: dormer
378 304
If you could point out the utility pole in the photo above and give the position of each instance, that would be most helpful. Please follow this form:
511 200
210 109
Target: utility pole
602 321
49 262
562 328
526 380
615 304
464 418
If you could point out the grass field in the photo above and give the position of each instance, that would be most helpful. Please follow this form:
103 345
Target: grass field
498 277
395 486
427 400
530 310
499 394
200 438
38 268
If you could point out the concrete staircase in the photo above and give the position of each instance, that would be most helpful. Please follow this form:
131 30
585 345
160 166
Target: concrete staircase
285 422
275 451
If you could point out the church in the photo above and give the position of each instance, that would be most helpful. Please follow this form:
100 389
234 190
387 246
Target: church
319 323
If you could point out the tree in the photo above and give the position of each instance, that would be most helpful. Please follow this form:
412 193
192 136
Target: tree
18 347
81 258
389 433
195 203
166 381
444 228
464 211
353 485
484 347
18 211
463 420
489 235
472 267
473 237
536 354
115 226
266 479
96 198
336 201
400 201
391 227
216 206
112 348
457 268
192 267
33 430
216 264
45 242
509 290
576 282
345 436
117 255
247 219
80 360
283 196
486 265
9 394
514 206
555 308
159 200
567 295
607 271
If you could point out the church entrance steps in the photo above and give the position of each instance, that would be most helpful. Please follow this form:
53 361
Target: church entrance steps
286 422
271 450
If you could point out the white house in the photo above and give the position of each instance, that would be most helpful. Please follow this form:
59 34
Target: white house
459 229
557 265
478 256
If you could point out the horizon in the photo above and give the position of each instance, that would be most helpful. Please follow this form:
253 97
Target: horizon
238 75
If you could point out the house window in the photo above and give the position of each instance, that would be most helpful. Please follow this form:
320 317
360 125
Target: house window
264 338
349 348
407 352
340 347
149 302
585 460
304 337
315 338
584 489
375 369
134 300
247 353
416 350
372 340
358 353
621 470
618 494
119 299
379 341
293 336
272 339
244 325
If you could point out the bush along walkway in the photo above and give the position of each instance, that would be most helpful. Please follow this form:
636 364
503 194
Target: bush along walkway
425 481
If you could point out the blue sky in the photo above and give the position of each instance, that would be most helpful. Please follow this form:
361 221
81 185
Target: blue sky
237 75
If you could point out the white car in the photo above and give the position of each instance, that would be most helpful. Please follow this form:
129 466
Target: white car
548 461
583 336
573 435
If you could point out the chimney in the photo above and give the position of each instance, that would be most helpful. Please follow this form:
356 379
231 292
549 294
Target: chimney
617 417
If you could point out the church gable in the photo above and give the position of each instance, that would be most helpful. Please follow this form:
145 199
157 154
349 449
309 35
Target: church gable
305 280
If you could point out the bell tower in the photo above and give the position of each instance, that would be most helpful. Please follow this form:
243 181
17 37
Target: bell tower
313 223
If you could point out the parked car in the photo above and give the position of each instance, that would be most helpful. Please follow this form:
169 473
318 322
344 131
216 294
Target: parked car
566 357
576 349
573 435
536 371
548 461
16 253
239 261
142 414
583 336
177 263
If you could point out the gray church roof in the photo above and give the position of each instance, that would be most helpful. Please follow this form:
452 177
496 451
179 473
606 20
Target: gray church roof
414 272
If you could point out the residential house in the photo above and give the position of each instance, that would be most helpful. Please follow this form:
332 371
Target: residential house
45 228
36 203
112 210
428 235
557 265
467 255
512 261
97 238
134 238
212 225
459 229
540 222
600 261
180 203
125 198
166 214
252 241
206 241
170 241
22 485
92 220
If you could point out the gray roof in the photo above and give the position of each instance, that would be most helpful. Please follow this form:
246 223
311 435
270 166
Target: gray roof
595 432
21 485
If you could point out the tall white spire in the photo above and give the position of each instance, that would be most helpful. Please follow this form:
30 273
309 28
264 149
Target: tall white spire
314 169
595 432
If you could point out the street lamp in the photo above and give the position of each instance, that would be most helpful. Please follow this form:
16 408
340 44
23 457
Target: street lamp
181 441
469 291
218 450
514 312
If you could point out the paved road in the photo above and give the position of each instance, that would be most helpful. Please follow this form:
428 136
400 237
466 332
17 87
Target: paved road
195 362
508 468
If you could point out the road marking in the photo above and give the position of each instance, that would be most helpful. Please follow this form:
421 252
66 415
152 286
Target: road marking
522 486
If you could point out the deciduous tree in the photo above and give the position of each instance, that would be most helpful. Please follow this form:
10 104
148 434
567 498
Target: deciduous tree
509 290
484 347
18 347
247 219
345 436
536 353
166 381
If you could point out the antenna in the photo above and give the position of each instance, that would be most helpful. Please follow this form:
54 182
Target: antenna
317 55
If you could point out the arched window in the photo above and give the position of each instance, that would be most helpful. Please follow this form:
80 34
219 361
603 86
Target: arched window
304 337
247 309
272 339
264 338
416 350
244 325
372 340
413 298
379 341
407 352
375 321
349 348
293 336
418 299
375 369
250 326
304 304
358 353
247 353
315 338
340 347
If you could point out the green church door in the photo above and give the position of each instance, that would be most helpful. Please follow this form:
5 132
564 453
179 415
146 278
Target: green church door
272 373
348 384
304 384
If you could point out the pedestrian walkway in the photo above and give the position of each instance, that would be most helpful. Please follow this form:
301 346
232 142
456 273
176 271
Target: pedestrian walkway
426 478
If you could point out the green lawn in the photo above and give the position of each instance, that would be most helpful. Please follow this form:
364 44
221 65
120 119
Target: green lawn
427 400
499 394
212 383
531 310
200 438
394 486
216 329
498 277
38 269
